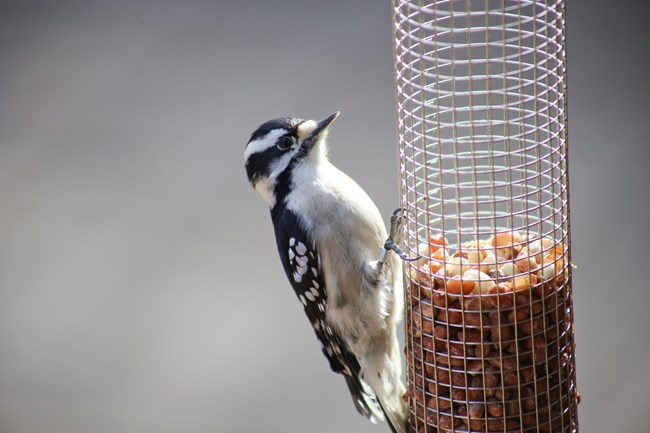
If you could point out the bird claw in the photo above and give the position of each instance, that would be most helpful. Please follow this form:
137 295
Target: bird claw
396 225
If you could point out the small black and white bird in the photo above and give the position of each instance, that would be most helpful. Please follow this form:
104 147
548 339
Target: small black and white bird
337 255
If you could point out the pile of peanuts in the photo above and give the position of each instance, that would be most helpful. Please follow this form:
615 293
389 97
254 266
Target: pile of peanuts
490 330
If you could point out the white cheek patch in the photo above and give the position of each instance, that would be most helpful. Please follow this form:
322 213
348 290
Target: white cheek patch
279 165
265 185
266 191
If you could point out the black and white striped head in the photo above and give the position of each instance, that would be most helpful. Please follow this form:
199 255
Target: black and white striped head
278 145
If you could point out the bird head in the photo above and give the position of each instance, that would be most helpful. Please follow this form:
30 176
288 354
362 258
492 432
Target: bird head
278 145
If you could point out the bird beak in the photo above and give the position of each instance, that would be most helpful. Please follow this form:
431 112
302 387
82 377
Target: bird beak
321 126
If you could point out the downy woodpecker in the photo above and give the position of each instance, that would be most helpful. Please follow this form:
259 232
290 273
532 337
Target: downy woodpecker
328 231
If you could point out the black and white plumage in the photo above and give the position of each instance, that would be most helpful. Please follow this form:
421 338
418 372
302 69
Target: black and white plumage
327 232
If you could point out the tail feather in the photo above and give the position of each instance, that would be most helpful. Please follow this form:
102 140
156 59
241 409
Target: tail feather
397 420
383 372
364 399
380 406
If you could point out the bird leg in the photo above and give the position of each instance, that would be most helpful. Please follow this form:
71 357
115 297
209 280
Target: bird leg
395 236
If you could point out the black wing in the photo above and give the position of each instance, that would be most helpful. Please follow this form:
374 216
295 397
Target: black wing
302 265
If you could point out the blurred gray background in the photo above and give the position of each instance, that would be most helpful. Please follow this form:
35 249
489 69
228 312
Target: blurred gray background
140 290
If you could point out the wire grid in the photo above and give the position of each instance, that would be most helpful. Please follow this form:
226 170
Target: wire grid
481 102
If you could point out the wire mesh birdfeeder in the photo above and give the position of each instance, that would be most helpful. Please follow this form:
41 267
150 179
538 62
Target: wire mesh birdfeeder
481 102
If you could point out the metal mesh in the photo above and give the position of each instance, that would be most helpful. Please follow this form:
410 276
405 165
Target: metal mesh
481 94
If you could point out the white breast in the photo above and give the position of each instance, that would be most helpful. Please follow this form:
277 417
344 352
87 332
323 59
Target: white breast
349 233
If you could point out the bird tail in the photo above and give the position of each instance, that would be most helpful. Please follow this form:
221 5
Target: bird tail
397 420
364 399
383 371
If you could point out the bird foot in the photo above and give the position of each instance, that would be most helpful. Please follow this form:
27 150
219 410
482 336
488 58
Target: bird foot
395 235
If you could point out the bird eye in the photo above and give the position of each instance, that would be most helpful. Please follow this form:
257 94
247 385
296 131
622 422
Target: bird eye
284 143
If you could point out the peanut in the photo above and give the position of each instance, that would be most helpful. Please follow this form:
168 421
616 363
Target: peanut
475 392
473 303
446 360
495 408
449 316
510 378
458 378
437 241
424 278
524 282
456 286
476 410
500 296
506 239
439 404
490 378
474 366
424 251
456 266
421 316
529 420
527 374
524 262
512 407
518 314
456 348
482 281
442 375
503 394
504 363
445 422
427 342
488 262
483 350
474 319
532 326
477 425
440 332
459 394
439 299
470 336
527 398
437 388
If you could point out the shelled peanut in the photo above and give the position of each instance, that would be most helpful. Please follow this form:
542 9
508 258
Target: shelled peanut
491 336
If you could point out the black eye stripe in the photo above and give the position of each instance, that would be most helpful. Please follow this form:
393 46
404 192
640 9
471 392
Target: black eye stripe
258 165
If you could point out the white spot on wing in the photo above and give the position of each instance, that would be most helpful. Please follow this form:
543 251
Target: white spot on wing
315 272
297 277
302 260
291 255
292 242
302 299
314 292
301 248
302 270
310 296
